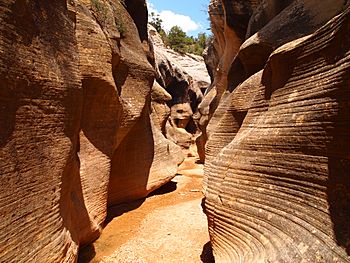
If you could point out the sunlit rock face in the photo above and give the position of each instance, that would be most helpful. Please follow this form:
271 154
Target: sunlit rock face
185 78
229 22
41 103
276 169
78 128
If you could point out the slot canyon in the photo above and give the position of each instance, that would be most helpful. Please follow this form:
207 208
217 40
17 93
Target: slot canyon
118 146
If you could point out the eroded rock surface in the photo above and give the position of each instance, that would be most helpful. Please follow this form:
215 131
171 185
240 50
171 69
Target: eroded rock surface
277 166
41 103
229 22
78 128
185 78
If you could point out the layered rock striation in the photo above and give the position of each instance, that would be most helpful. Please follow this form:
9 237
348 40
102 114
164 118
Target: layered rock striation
276 168
79 125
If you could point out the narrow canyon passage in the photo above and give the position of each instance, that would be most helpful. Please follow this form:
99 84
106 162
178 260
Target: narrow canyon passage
167 226
119 129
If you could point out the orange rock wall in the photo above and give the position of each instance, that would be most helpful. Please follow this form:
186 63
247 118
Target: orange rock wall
276 168
75 125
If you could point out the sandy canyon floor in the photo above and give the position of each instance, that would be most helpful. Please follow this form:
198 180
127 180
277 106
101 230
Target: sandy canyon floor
168 226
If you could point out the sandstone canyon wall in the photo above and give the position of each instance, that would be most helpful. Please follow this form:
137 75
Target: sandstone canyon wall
78 126
185 78
277 122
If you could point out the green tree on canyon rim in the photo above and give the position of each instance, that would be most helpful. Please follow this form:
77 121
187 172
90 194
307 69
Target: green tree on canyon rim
177 39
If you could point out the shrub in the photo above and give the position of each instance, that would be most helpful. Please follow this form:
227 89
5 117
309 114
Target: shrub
156 22
121 27
100 11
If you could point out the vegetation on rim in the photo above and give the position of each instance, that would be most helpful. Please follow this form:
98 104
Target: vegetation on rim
177 39
101 14
100 11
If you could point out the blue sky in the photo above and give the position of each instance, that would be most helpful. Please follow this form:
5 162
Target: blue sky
190 15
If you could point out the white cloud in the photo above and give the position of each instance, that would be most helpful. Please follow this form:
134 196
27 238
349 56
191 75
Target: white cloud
151 8
171 19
